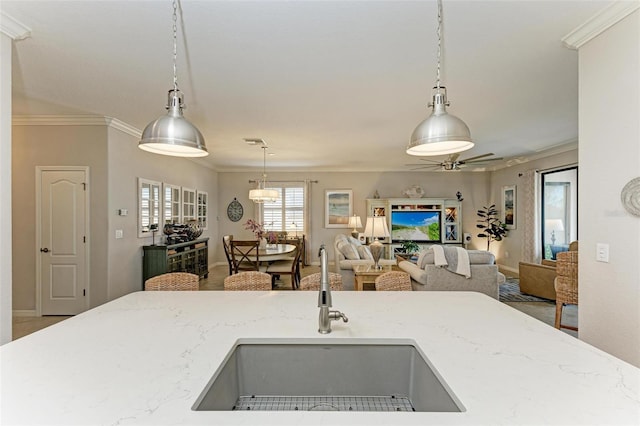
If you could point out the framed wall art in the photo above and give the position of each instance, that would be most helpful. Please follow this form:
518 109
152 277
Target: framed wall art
509 206
338 208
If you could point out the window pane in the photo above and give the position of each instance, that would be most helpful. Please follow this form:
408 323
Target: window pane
287 213
559 211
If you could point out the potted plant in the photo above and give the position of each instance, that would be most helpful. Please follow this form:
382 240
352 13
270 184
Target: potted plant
410 247
492 228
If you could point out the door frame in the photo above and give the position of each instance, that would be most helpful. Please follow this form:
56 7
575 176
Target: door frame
39 170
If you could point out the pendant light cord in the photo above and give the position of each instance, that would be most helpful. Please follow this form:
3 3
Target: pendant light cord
439 42
175 45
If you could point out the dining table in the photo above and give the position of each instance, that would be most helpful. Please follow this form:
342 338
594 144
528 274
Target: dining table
272 252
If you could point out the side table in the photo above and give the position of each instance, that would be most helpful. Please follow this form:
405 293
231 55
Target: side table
367 274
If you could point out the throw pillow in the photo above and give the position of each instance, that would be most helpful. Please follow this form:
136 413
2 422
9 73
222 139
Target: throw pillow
348 251
354 242
421 258
365 252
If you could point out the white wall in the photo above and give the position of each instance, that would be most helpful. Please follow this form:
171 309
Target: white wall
609 108
5 190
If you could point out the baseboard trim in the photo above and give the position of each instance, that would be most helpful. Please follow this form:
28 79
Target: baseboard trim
24 313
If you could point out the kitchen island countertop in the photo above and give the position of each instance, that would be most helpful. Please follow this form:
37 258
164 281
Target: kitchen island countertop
144 359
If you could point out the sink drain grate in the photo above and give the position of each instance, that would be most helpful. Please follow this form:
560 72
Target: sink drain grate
324 403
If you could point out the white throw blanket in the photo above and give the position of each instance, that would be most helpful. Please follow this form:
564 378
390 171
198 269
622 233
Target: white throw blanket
455 259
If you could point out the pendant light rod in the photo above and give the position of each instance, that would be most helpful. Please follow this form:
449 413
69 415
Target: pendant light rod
261 194
441 133
172 134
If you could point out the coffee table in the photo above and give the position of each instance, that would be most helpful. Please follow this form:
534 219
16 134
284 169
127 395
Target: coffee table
367 274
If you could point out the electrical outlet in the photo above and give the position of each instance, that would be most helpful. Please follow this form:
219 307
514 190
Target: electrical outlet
119 234
506 254
602 252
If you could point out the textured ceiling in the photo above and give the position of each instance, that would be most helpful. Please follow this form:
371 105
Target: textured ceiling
330 85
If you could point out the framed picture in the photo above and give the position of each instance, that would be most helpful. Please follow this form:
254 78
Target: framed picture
509 206
338 207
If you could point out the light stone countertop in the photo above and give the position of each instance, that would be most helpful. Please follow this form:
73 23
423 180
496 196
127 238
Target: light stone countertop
145 358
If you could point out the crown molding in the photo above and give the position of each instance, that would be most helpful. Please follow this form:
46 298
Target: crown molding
599 23
75 120
13 28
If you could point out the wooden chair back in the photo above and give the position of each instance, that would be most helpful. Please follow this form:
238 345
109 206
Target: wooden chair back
226 243
245 255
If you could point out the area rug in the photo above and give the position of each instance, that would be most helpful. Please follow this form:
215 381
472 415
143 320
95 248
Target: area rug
510 292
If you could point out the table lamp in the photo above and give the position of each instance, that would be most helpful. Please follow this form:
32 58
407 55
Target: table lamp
375 228
554 225
355 222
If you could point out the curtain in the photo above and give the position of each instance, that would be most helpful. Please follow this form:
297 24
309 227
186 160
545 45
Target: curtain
531 217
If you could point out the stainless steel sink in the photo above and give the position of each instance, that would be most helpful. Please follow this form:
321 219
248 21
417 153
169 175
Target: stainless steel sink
327 374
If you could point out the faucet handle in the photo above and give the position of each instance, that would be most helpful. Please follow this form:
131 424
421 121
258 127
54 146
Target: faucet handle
334 315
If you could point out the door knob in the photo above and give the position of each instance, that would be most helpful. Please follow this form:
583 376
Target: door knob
44 250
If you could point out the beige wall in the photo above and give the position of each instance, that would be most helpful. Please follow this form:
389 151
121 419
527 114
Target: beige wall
609 313
474 188
115 163
56 146
508 250
126 163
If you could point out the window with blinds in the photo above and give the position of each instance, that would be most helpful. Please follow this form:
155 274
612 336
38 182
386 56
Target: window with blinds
287 212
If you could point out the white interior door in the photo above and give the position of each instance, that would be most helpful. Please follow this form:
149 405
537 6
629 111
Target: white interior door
62 241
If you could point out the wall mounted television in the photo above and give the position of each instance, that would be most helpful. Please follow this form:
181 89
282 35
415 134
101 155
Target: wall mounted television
418 226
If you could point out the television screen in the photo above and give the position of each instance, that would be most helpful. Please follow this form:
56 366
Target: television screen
418 226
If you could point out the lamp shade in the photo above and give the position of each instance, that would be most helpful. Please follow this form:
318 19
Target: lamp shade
263 195
441 133
376 227
172 134
354 222
554 225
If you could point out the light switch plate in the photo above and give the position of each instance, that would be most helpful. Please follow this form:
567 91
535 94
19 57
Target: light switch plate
602 252
119 234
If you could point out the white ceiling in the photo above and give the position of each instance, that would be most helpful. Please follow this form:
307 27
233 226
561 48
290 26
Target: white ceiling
330 85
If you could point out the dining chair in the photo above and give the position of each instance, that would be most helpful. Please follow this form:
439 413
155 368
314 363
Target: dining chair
393 281
248 281
290 266
226 243
173 281
312 282
245 256
566 284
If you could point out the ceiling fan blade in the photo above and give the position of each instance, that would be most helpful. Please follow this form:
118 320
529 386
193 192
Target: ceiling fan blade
466 160
423 167
483 161
430 161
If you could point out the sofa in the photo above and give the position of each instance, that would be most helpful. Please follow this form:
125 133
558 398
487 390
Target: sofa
426 276
351 251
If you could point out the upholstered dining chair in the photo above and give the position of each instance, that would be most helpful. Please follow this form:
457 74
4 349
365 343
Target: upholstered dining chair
245 256
226 243
290 266
312 282
248 281
173 281
393 281
566 284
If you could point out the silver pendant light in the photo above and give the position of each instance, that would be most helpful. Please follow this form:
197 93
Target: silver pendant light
441 133
172 134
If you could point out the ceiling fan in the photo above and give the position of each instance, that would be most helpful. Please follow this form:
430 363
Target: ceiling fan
452 162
